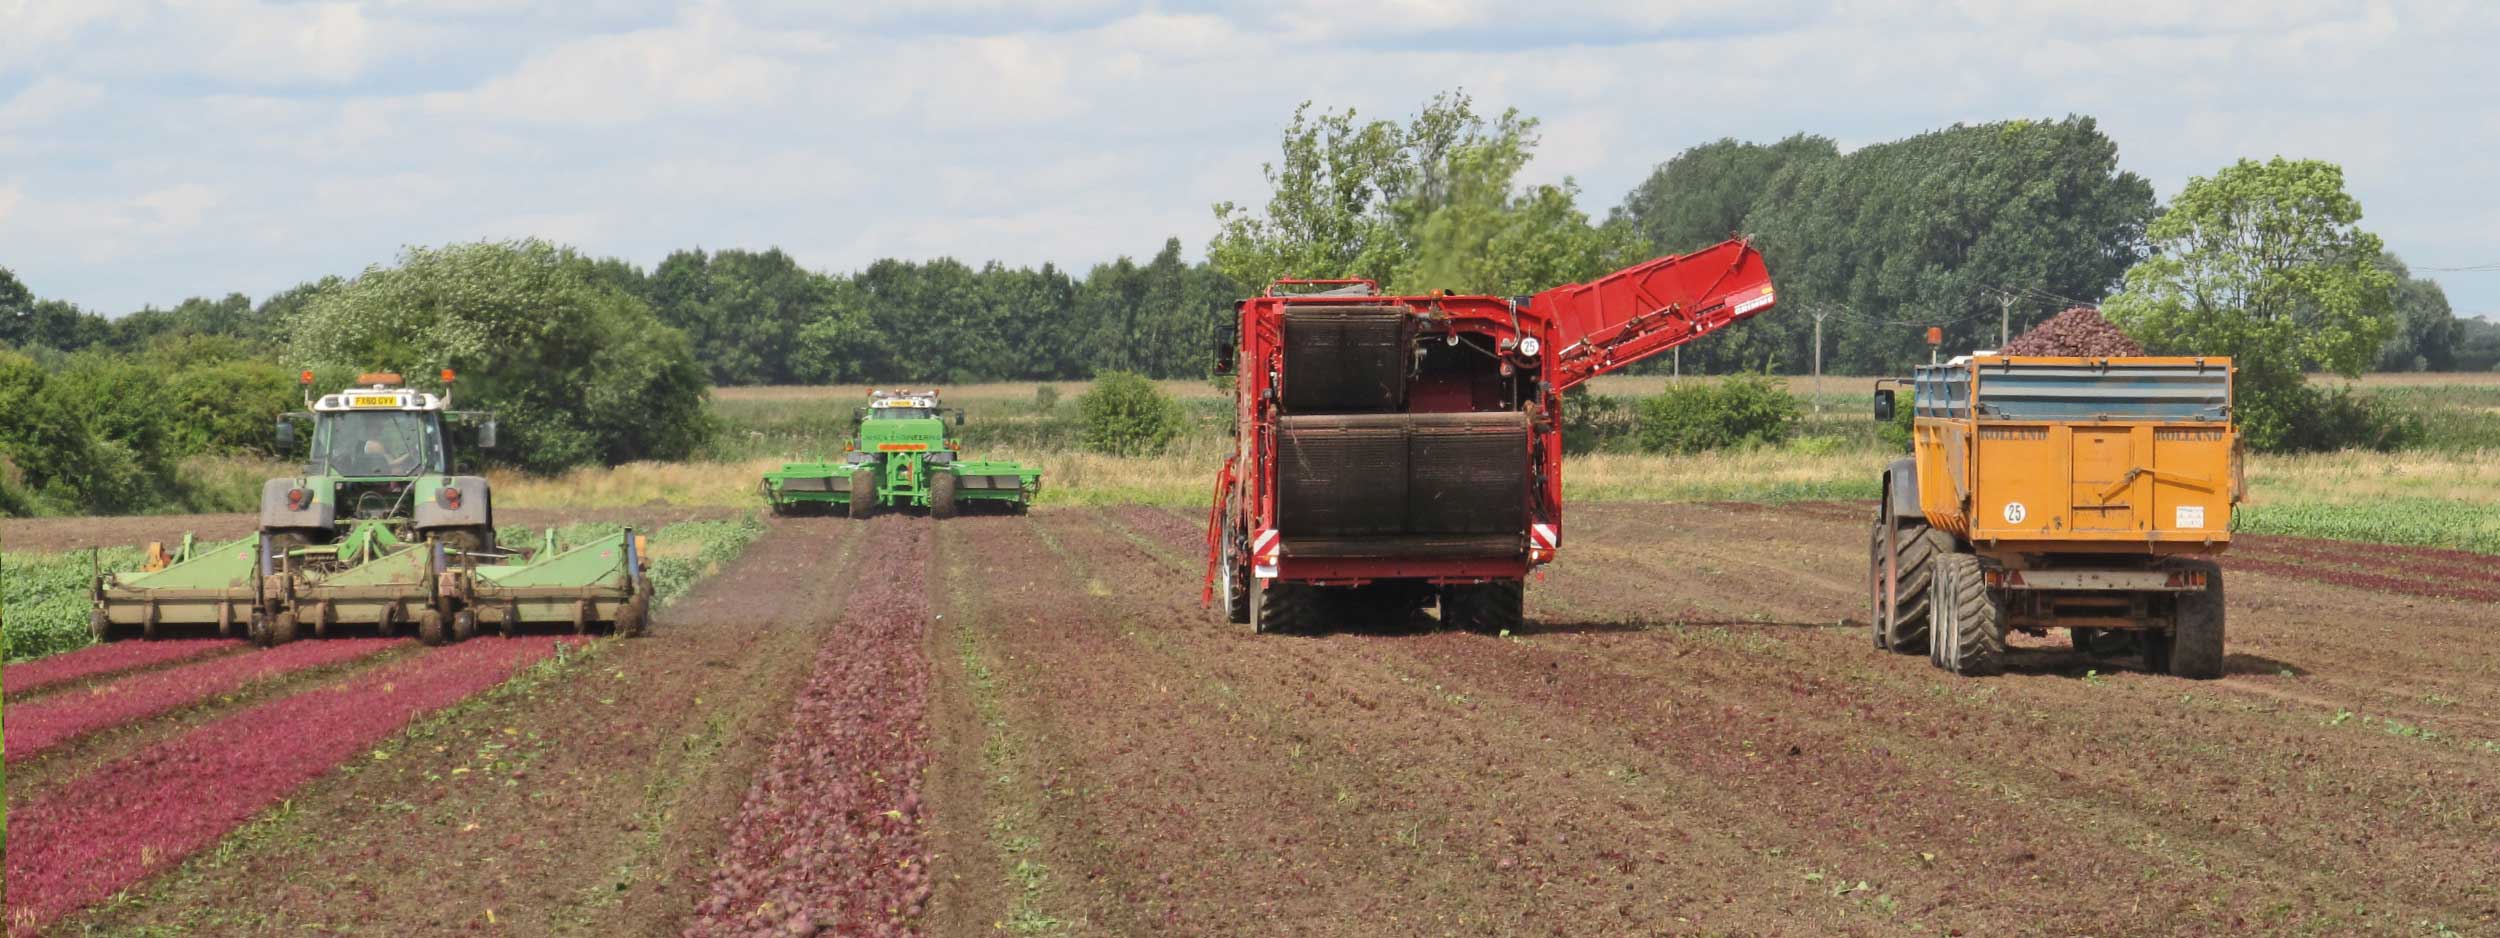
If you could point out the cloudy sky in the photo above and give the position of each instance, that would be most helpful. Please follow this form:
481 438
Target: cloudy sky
152 151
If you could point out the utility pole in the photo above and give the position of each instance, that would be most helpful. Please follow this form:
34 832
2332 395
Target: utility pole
1818 358
1678 376
2005 318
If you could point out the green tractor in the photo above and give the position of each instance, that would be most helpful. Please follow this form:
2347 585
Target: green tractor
377 536
902 458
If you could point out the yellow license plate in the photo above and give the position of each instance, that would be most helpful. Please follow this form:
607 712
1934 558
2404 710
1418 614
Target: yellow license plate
902 447
373 400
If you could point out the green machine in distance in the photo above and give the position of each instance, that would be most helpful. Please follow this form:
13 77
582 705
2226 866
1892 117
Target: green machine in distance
902 458
378 535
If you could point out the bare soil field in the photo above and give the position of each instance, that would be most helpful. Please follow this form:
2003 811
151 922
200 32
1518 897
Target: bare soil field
1029 725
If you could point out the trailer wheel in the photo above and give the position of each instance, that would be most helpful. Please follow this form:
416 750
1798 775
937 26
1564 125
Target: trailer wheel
1287 608
1915 549
256 630
635 618
942 494
463 625
1967 634
100 626
430 627
282 629
863 492
2195 650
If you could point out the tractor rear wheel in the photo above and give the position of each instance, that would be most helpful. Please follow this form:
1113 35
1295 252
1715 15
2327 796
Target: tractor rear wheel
942 494
1288 608
863 492
430 627
1491 608
1967 629
2196 634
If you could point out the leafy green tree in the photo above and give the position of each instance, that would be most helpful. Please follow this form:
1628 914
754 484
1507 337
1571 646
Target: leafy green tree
1701 197
2266 263
577 369
1488 235
27 321
1924 231
742 309
2427 331
1124 414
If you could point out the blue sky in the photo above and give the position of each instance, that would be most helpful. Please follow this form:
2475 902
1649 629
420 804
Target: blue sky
153 151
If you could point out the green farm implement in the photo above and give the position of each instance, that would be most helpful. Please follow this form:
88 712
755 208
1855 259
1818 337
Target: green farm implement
902 458
377 537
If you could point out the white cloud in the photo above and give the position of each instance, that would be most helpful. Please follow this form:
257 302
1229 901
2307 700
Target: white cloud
10 195
623 78
48 98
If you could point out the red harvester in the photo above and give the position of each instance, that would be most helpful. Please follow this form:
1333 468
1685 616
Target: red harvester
1391 451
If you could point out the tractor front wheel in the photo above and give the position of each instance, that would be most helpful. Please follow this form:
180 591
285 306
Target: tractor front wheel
942 494
863 492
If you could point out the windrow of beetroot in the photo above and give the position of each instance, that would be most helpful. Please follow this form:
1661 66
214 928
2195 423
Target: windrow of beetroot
140 814
29 677
829 839
39 726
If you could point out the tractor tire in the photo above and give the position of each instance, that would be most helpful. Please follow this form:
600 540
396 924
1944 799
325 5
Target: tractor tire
2196 634
863 492
463 625
1490 608
1967 629
635 618
100 626
942 494
1904 627
1284 609
1232 577
283 628
430 627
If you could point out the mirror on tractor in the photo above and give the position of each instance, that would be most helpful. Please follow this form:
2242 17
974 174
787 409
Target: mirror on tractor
486 435
286 435
1227 336
959 417
1883 405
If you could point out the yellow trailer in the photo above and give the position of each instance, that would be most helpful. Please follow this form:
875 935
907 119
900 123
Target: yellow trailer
2088 494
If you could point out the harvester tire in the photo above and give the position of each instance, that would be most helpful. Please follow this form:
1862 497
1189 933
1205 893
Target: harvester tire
942 494
863 492
1284 608
1904 627
1968 629
430 627
463 625
1491 608
100 626
2196 635
1233 578
282 629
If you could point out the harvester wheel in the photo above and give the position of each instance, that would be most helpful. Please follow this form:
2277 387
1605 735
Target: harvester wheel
1234 579
430 627
2196 637
282 629
1491 608
257 629
863 492
1968 633
100 625
942 494
463 625
1289 608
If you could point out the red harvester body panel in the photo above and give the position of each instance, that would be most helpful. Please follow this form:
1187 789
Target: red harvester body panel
1419 437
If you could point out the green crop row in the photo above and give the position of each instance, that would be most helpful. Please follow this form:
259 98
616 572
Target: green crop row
2421 522
43 599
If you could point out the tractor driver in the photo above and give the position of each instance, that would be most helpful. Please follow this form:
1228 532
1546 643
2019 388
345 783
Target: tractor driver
396 457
